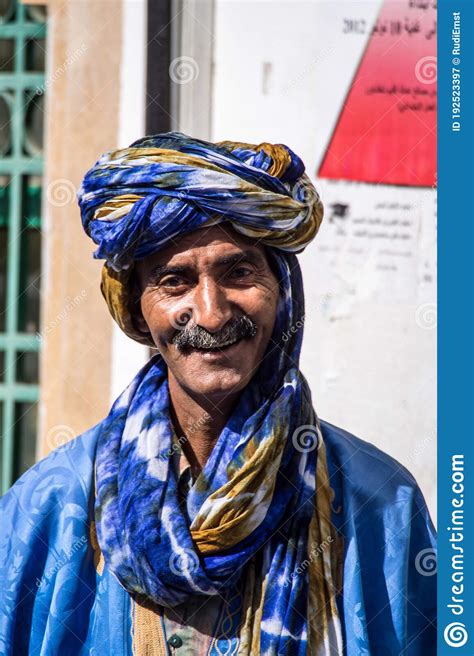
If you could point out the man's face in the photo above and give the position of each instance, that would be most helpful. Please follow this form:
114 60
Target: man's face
210 304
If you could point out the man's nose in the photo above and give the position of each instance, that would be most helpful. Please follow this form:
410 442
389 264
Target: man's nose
212 308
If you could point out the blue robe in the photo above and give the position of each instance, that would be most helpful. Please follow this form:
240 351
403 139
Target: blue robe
54 602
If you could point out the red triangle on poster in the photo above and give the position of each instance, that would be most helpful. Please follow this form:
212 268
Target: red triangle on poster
386 132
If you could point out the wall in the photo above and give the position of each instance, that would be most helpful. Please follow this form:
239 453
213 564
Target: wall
82 94
281 73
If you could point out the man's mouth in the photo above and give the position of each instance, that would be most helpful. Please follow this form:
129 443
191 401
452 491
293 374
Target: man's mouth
218 347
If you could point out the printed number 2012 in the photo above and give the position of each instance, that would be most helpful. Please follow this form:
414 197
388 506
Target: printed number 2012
352 26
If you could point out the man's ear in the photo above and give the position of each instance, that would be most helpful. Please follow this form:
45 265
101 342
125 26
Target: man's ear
140 322
135 305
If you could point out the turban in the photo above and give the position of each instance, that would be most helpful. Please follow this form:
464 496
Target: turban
137 200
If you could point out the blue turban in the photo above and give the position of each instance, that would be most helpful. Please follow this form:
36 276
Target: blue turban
137 200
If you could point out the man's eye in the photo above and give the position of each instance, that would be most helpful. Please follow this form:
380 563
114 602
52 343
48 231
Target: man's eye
240 272
172 281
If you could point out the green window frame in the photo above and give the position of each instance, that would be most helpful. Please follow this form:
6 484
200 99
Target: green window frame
22 86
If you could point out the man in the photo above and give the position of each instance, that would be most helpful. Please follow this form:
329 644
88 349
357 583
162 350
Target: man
212 512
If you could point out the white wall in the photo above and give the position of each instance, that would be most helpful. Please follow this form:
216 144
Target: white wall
129 356
281 74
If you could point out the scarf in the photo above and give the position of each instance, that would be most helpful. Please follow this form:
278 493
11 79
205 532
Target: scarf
264 491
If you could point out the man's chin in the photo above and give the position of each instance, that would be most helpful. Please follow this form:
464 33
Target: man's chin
213 382
216 385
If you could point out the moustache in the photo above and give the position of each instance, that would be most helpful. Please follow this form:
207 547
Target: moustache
194 336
